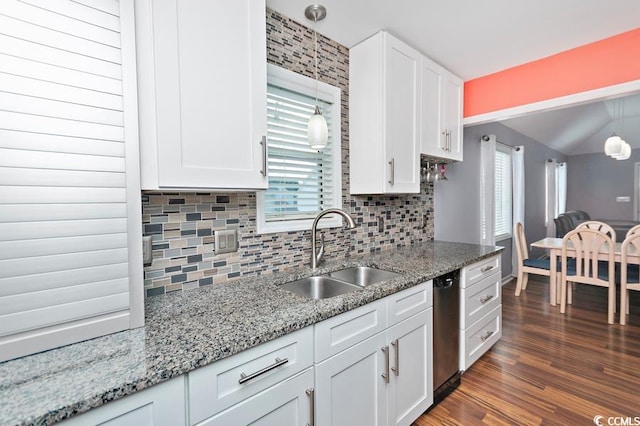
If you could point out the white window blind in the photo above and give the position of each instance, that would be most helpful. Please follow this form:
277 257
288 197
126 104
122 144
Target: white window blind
503 192
64 217
300 178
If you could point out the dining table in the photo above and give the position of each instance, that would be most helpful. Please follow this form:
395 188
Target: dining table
554 245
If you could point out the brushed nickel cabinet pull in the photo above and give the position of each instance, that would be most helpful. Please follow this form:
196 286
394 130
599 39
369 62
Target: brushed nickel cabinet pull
486 268
245 378
396 346
263 142
486 335
312 406
444 146
392 179
385 376
486 298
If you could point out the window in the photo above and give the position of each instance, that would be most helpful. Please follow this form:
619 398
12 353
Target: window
302 180
555 189
503 192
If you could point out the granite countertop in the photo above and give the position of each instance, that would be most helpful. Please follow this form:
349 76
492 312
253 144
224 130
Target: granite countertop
194 328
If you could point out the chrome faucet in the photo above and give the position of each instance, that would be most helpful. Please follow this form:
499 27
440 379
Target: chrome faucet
315 258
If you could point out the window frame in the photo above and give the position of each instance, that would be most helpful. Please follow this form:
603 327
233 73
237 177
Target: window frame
503 149
307 86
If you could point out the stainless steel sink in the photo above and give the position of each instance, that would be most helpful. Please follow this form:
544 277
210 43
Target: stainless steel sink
319 287
363 275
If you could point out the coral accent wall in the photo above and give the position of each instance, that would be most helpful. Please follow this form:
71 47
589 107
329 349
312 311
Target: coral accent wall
603 63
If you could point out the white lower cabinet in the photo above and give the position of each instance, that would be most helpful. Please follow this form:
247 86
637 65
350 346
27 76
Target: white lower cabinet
160 405
385 379
480 309
287 403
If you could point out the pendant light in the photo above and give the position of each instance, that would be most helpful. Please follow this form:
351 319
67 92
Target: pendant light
317 131
614 144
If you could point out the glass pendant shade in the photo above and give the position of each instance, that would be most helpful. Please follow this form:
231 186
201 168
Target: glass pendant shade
625 152
613 145
317 131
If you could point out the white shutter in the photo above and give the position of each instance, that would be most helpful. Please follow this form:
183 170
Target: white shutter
300 178
64 214
503 192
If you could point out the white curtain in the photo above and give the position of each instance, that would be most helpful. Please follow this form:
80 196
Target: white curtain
518 198
561 187
487 188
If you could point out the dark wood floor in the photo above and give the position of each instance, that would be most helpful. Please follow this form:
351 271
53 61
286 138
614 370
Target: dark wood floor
550 368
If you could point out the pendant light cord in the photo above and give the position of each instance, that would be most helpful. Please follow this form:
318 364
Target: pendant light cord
315 57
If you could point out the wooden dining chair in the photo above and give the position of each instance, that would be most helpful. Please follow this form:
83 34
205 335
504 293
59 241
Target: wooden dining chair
634 230
599 226
629 274
526 265
586 245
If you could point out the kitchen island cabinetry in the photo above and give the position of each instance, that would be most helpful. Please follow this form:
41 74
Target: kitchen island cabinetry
441 112
202 91
384 86
480 309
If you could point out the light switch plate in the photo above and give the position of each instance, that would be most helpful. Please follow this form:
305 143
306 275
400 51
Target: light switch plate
226 241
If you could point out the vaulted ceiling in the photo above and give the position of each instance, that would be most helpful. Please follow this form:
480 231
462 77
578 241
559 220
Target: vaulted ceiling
474 38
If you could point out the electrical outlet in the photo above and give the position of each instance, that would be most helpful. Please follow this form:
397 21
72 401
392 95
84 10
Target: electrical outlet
381 224
147 250
226 241
623 199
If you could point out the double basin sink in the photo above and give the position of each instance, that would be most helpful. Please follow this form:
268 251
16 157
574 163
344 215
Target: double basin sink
338 282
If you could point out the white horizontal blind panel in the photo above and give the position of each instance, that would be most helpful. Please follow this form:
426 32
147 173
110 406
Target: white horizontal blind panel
42 299
59 161
42 247
63 144
56 126
503 193
58 229
57 314
60 58
61 262
55 21
80 12
300 178
58 40
55 212
42 177
63 200
29 284
39 71
58 92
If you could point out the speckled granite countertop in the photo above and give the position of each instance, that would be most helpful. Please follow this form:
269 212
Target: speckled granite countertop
194 328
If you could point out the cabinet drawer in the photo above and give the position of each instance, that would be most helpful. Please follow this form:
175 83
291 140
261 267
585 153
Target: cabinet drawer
345 330
409 302
478 339
217 386
285 404
479 299
473 273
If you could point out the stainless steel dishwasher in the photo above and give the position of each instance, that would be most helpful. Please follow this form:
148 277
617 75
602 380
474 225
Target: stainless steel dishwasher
446 332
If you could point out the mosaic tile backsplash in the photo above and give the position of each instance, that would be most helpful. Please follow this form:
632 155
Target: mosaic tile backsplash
183 224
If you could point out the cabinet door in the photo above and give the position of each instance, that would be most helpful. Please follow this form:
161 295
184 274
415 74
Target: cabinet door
452 115
160 405
350 389
402 89
432 140
411 387
210 92
285 404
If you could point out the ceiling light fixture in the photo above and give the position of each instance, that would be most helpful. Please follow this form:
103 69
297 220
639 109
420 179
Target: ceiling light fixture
615 146
317 131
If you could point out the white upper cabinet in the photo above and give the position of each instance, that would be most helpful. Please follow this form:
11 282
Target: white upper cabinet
384 90
441 116
202 93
